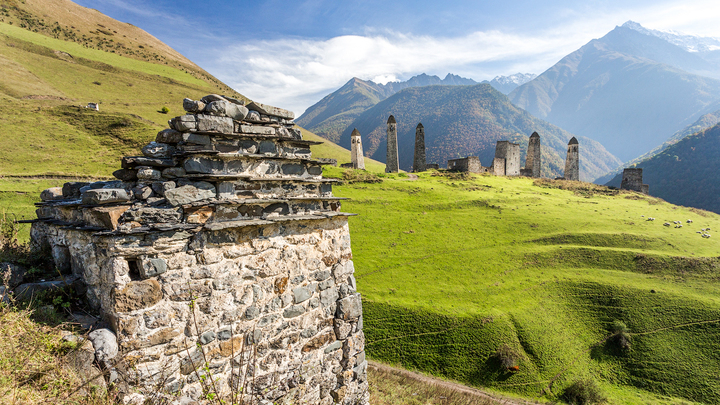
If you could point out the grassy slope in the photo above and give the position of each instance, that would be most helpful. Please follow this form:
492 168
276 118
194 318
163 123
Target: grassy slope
461 267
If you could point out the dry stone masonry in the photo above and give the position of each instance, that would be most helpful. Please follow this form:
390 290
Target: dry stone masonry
533 159
356 150
419 163
632 179
391 160
572 162
221 259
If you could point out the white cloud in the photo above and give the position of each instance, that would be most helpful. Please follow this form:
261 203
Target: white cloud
295 73
292 72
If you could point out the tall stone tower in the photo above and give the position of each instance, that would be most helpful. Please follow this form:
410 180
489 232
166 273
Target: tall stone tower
533 160
419 164
391 161
632 179
572 162
356 151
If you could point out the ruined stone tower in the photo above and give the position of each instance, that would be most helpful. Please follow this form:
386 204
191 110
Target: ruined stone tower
391 159
507 159
572 162
533 159
632 179
356 150
221 260
419 164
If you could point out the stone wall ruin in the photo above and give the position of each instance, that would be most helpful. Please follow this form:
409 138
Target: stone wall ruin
221 260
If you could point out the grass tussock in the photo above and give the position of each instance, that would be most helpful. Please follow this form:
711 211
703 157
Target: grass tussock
583 392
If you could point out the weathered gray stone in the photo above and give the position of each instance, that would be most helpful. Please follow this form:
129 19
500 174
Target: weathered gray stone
125 174
146 173
209 123
224 108
173 172
349 308
184 123
212 97
324 285
52 194
151 267
196 139
105 196
193 106
328 296
301 294
293 311
72 189
160 187
207 337
333 346
270 110
256 129
252 312
224 333
190 193
342 329
308 333
105 343
253 115
158 150
142 192
201 164
169 136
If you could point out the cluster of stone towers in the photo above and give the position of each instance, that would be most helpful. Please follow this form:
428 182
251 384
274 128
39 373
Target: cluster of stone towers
505 163
392 164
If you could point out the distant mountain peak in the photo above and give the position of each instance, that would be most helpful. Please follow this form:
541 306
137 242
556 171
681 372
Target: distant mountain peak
691 43
517 78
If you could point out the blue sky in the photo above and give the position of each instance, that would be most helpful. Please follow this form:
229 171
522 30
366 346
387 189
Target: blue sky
293 53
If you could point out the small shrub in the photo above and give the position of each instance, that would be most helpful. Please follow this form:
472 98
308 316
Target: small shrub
164 110
96 83
508 357
583 392
620 340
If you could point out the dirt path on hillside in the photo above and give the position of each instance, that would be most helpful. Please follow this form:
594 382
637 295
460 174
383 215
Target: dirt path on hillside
424 379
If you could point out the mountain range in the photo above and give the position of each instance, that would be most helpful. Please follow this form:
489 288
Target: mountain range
331 115
468 120
629 90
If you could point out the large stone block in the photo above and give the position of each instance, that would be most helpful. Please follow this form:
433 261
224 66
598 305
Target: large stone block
52 194
105 196
350 307
209 123
104 217
137 295
190 193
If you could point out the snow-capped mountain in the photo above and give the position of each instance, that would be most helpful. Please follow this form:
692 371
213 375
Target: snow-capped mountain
506 84
691 43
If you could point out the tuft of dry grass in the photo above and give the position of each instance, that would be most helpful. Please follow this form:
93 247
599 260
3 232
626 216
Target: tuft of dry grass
34 364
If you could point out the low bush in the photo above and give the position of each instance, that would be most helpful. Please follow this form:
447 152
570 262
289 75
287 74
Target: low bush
583 392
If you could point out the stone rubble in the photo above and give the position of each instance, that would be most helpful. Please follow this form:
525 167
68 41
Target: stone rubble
219 255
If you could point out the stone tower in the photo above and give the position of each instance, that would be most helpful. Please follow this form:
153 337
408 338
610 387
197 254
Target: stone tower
356 151
632 179
572 162
391 160
419 164
507 159
221 260
533 159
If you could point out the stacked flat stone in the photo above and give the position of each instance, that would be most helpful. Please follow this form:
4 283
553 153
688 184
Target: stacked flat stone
220 252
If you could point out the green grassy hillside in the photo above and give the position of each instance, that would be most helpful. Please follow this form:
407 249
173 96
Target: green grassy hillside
685 172
459 267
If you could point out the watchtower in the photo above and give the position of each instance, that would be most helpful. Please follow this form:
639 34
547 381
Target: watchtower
572 162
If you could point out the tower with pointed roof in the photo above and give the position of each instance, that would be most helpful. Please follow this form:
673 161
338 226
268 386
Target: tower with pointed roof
572 162
391 161
356 150
533 159
419 163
